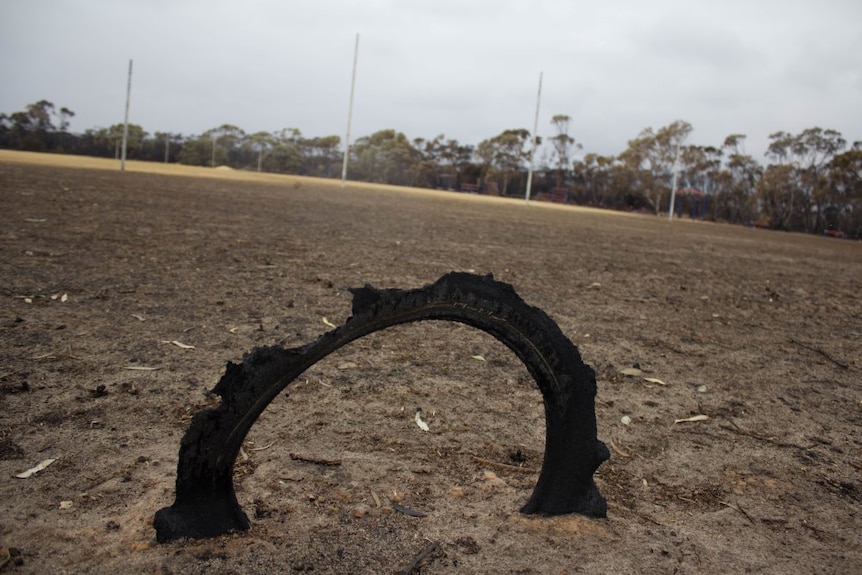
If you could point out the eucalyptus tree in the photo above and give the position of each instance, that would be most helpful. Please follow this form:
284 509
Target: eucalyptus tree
164 147
322 156
427 167
385 156
699 167
33 128
504 156
804 183
736 182
109 140
563 144
63 136
593 175
226 144
844 211
285 153
263 143
651 157
455 160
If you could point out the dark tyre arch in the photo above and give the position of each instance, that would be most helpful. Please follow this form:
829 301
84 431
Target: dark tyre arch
206 504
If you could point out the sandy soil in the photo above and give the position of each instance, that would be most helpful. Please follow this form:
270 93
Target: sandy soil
100 271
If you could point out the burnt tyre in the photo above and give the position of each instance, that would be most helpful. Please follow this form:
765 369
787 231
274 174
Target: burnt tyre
206 504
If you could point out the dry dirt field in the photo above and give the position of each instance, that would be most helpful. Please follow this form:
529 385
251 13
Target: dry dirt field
103 274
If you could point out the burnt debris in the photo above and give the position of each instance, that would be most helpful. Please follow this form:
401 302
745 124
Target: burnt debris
206 505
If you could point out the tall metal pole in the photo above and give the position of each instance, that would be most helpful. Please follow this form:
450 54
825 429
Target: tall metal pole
126 120
533 149
673 183
349 113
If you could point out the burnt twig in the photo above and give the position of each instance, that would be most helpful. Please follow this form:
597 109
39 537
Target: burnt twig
840 364
503 466
317 460
408 511
429 549
738 508
740 431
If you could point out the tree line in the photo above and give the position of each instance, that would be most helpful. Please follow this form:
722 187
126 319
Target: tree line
810 182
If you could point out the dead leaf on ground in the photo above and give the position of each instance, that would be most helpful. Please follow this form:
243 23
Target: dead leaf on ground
654 380
631 372
37 468
617 450
693 418
179 344
422 425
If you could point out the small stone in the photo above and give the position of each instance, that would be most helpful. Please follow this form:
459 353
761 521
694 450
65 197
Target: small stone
456 492
626 420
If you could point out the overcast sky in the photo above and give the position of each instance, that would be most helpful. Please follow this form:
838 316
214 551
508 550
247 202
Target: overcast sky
468 69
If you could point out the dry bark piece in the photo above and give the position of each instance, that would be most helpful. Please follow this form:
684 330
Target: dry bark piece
317 460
